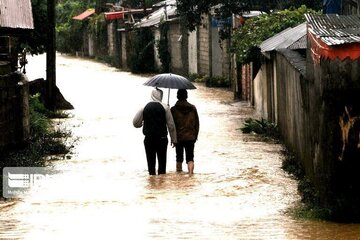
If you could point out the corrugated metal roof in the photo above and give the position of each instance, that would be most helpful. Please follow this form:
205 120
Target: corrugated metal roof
290 38
84 15
154 18
335 29
16 14
295 59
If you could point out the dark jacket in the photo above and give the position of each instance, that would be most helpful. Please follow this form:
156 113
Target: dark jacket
156 117
186 121
154 120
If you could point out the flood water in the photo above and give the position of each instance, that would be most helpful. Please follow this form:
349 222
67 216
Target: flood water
238 190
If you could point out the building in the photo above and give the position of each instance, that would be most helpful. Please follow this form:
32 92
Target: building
14 93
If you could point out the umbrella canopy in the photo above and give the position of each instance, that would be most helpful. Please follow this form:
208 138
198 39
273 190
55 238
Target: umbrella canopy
169 80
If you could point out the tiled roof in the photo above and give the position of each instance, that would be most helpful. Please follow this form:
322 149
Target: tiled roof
16 14
335 29
86 14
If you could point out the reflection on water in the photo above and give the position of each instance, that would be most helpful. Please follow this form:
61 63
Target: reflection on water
238 190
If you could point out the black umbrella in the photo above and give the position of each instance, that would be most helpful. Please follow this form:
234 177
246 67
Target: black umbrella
169 80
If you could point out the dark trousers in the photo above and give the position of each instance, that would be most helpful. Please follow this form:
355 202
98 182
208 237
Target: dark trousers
155 146
188 146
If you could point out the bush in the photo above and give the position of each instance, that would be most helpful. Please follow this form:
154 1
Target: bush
69 36
247 39
163 48
44 139
260 127
142 58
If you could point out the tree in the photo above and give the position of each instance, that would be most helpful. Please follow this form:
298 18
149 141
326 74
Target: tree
36 41
139 3
68 39
247 39
100 6
192 10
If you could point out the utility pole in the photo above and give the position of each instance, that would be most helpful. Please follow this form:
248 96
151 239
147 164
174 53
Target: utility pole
50 98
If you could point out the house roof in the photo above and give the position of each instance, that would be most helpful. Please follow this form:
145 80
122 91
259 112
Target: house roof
168 9
114 15
290 38
335 29
84 15
122 14
10 17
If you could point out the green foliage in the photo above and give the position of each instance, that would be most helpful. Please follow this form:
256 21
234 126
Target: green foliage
292 166
196 77
260 127
69 31
35 42
309 207
163 48
191 11
39 122
139 3
98 29
142 51
316 5
216 81
247 39
44 139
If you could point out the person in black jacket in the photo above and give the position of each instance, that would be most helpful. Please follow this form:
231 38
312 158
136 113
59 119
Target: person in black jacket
156 120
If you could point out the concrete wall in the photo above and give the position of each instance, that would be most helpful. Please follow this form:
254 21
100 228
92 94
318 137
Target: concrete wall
335 124
14 110
291 106
178 46
193 53
225 59
220 53
246 82
111 38
216 52
91 46
204 53
123 50
260 93
307 100
281 96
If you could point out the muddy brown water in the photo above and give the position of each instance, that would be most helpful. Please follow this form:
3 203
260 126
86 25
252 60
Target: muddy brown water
238 190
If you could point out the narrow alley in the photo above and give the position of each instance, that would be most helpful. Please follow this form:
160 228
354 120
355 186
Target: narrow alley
103 191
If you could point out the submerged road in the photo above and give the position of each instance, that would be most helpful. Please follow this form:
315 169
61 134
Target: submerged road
238 190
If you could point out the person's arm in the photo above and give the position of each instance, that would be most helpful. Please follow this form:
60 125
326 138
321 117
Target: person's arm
197 122
138 119
171 126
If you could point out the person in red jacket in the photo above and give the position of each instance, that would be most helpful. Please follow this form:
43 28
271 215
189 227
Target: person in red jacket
187 129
